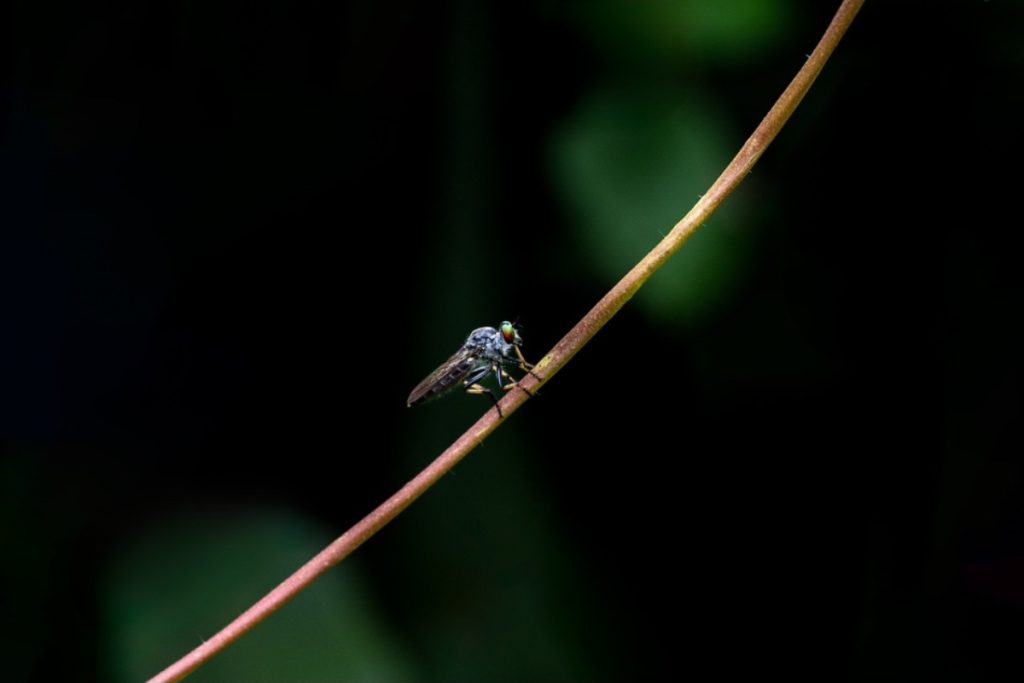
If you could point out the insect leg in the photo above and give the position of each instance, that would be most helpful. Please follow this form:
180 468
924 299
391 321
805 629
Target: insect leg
480 389
473 388
512 381
523 365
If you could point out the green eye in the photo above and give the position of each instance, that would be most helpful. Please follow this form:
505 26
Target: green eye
508 333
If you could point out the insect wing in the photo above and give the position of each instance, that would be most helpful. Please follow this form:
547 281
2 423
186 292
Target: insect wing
447 377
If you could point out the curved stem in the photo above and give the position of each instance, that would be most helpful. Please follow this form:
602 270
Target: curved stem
564 350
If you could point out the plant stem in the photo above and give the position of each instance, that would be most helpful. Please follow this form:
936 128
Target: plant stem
564 350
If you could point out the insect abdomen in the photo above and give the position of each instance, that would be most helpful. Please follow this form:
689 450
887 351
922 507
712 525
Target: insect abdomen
439 383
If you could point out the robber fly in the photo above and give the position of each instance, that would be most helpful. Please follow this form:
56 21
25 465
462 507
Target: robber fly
486 350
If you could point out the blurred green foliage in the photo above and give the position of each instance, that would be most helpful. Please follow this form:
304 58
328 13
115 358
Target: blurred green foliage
628 161
164 590
664 34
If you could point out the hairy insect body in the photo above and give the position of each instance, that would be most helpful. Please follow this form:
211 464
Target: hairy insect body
486 350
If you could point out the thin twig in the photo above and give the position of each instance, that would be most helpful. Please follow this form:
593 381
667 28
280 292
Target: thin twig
564 350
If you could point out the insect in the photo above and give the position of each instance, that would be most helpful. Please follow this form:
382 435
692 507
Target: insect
485 350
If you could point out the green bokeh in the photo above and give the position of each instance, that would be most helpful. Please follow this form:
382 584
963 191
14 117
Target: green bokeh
160 603
627 163
664 33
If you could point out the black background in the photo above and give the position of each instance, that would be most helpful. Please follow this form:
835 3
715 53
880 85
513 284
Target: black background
234 235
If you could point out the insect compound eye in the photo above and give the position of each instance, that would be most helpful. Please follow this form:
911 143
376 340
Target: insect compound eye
508 333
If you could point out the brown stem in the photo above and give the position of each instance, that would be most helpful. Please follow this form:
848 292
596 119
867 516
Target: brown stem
565 349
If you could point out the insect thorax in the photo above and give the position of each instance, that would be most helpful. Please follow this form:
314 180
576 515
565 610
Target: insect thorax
489 343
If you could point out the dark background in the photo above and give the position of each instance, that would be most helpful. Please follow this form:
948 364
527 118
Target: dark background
235 235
